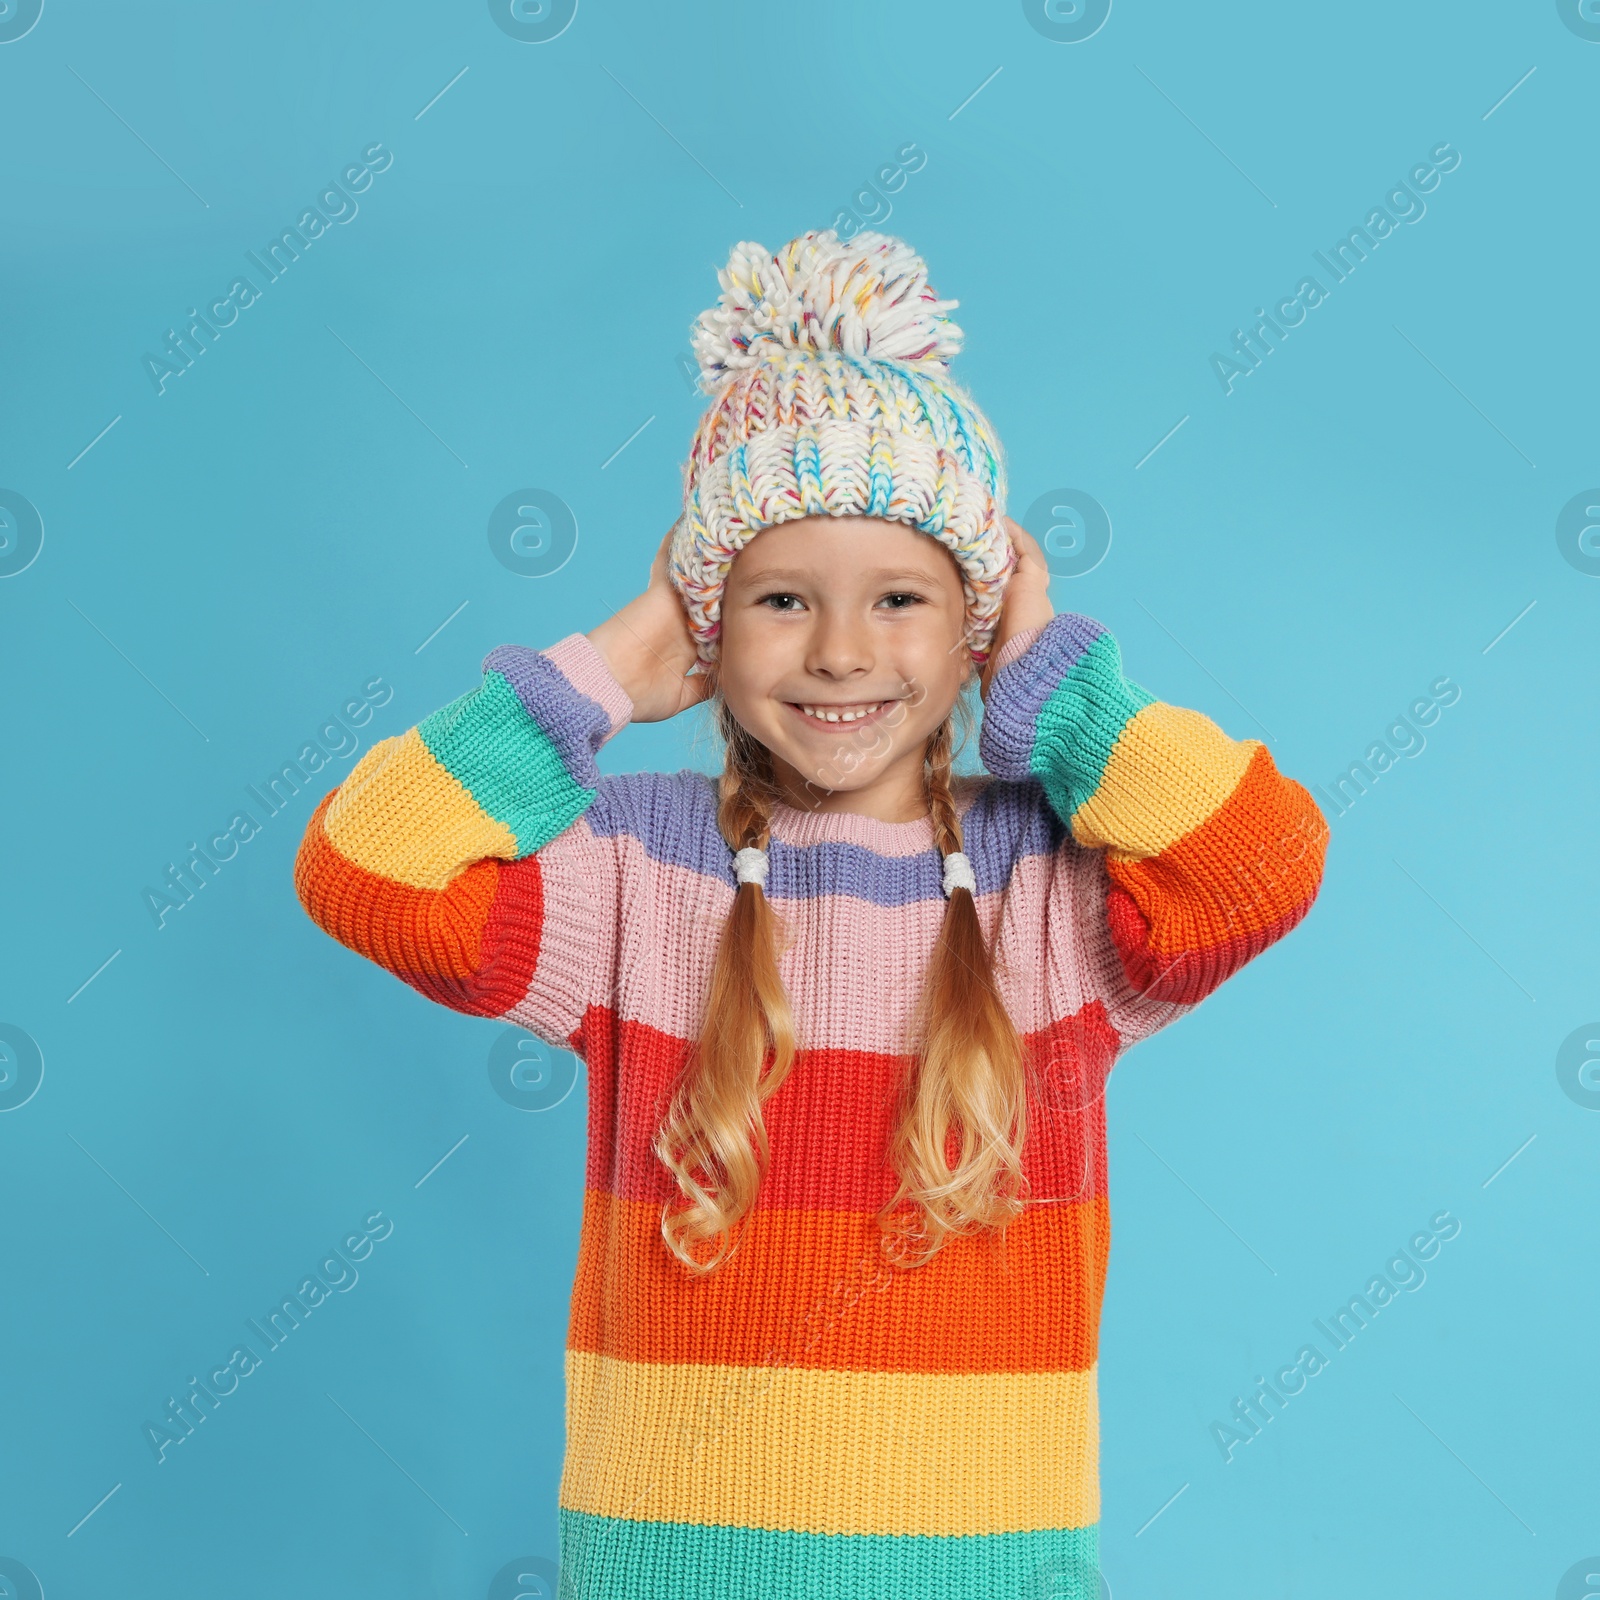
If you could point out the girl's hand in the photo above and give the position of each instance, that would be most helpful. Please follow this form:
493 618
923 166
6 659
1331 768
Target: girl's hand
648 646
1027 602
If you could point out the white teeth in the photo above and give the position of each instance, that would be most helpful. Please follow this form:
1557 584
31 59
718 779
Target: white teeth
824 715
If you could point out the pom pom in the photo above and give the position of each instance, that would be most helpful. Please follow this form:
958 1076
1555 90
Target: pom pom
866 297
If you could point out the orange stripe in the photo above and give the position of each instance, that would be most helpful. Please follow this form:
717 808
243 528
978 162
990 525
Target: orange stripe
398 927
812 1289
1235 877
472 946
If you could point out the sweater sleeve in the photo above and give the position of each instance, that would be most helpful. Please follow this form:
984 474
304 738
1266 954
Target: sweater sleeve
434 857
1211 853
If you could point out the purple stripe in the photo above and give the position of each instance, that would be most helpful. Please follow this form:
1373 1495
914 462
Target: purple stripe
1004 823
1020 690
674 815
575 723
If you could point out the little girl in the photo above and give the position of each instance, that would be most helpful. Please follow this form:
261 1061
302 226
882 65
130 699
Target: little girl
847 1015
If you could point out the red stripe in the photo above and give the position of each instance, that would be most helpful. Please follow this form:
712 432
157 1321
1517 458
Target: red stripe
830 1120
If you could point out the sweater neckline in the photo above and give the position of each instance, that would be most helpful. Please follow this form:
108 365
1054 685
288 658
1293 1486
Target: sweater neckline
793 826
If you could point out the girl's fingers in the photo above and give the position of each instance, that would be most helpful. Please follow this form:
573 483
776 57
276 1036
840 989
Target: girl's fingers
658 563
1025 542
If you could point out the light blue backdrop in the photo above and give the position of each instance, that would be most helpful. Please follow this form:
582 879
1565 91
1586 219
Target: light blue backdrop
305 509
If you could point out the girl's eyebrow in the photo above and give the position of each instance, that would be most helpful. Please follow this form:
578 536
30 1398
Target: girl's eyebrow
883 574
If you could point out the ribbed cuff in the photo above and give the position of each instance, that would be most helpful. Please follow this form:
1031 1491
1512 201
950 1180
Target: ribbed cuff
1032 668
589 673
1016 646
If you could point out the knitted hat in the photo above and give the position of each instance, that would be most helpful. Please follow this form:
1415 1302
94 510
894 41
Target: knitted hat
829 366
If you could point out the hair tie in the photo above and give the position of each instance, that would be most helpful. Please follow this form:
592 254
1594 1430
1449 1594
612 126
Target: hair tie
750 866
958 874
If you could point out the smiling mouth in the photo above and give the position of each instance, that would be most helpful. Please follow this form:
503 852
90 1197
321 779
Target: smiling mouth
839 716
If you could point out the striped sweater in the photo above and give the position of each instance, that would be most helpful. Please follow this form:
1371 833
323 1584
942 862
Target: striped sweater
808 1420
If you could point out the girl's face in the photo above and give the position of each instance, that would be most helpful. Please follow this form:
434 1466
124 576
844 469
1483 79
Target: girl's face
856 617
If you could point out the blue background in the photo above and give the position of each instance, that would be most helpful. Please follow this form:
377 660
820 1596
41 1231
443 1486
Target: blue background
301 510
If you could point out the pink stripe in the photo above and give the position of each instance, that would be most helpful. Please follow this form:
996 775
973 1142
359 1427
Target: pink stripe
1056 953
895 839
577 938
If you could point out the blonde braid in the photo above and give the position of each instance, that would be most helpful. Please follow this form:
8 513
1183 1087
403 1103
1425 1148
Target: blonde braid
968 1078
714 1138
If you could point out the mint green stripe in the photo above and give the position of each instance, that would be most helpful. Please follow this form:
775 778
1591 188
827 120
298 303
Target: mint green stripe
615 1558
1080 723
506 762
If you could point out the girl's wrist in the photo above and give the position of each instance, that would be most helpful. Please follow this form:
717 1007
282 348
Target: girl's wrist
625 654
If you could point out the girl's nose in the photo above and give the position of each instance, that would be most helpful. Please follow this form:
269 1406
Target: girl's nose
839 648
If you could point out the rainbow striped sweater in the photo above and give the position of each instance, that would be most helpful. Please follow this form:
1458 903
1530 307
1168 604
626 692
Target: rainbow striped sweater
810 1420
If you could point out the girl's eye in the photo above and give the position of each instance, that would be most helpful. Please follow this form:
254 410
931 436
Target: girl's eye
775 600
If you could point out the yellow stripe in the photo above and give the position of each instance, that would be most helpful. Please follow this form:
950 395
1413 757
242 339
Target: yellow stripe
803 1449
1168 772
401 815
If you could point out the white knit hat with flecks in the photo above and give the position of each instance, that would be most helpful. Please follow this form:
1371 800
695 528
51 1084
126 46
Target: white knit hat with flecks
829 367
